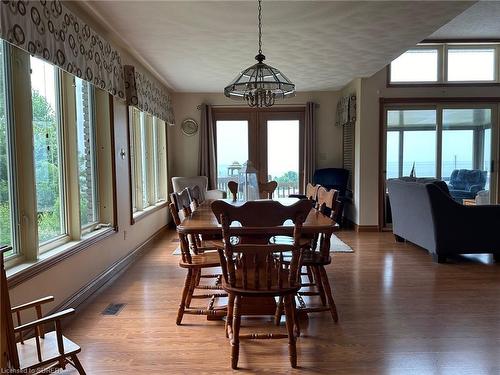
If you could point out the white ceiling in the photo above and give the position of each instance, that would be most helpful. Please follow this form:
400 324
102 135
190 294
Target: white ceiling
480 21
200 46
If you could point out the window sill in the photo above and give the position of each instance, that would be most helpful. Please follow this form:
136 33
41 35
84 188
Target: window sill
147 211
26 270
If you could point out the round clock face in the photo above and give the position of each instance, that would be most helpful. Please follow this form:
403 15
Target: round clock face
189 126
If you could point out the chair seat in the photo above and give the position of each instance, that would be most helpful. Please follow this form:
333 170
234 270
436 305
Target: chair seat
263 289
28 357
203 260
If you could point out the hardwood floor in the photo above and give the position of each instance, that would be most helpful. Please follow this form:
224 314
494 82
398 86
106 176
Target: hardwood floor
400 313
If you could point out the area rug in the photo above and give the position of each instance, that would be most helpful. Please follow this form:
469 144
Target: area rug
336 246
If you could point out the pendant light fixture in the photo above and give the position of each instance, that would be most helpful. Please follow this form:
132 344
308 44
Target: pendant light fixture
260 85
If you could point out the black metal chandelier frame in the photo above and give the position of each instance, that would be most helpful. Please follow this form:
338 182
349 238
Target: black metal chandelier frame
260 85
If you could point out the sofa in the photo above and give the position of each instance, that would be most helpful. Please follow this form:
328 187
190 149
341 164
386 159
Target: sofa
180 183
466 183
424 213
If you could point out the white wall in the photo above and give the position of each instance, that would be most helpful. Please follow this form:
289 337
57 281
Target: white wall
185 149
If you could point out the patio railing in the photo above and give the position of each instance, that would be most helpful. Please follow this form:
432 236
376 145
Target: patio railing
282 191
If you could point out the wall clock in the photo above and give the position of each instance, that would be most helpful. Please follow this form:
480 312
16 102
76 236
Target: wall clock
189 126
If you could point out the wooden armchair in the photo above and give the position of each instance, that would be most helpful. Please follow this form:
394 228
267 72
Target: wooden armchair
253 267
195 256
41 353
266 189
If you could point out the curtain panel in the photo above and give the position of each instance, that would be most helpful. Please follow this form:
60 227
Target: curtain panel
309 144
346 111
142 92
207 157
48 30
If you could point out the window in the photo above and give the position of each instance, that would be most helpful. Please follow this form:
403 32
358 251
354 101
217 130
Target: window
441 141
232 150
160 142
283 139
148 159
447 63
7 212
416 65
50 171
409 132
49 178
272 140
471 64
86 146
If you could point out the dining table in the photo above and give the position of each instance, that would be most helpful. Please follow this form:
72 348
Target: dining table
202 221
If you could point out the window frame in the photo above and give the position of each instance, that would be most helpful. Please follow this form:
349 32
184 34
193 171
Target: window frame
32 257
64 183
439 104
140 129
439 67
443 47
449 46
11 152
257 133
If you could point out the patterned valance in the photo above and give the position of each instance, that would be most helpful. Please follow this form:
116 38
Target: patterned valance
346 111
48 30
148 96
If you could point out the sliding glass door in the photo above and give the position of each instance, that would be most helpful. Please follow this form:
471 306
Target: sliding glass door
445 141
270 139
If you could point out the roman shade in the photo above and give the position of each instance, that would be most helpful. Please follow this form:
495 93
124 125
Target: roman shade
148 96
346 111
48 30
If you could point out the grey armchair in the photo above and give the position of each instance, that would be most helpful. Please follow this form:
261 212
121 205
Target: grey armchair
425 213
180 183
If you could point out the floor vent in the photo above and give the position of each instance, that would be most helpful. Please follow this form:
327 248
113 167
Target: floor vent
113 309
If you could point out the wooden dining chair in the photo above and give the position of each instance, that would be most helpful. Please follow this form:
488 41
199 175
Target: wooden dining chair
254 268
44 352
233 188
316 258
266 189
195 258
312 191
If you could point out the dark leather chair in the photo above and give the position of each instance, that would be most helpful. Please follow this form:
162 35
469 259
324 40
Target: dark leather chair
466 183
331 178
334 178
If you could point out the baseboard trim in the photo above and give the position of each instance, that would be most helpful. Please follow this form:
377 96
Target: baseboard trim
360 228
367 228
90 290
